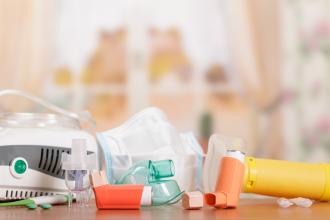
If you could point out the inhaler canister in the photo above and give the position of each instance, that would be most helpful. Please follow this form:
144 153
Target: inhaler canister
287 179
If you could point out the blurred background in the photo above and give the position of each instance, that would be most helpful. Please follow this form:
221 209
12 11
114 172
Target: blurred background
254 69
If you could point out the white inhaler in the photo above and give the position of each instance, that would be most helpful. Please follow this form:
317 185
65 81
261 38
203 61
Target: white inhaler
77 166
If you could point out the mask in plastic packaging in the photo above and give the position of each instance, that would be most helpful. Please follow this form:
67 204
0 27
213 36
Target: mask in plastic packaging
148 135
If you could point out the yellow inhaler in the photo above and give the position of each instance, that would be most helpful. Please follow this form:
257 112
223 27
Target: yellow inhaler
287 179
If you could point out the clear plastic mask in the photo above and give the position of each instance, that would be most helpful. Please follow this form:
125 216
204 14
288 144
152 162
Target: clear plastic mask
154 174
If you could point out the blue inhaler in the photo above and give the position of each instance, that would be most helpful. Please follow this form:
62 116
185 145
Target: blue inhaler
155 174
77 166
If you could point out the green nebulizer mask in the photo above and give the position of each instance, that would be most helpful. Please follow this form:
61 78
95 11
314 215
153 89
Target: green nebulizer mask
153 173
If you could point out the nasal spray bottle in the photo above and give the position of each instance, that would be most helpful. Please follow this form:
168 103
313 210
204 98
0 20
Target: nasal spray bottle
238 173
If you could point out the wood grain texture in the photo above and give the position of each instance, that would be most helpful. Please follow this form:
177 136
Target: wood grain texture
248 209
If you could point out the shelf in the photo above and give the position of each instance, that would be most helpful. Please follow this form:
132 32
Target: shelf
175 89
111 89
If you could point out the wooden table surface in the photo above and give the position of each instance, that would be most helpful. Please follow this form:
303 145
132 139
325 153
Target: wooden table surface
265 209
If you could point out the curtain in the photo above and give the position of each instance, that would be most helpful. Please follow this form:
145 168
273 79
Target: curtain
25 33
254 31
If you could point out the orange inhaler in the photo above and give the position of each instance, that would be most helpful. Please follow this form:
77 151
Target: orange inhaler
130 196
229 182
118 196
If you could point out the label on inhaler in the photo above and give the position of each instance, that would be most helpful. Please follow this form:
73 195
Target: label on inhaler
146 196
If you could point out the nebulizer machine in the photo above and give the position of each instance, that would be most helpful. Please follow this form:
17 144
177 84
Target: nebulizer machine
31 147
39 154
228 172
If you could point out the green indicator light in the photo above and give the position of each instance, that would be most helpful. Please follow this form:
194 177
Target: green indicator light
20 166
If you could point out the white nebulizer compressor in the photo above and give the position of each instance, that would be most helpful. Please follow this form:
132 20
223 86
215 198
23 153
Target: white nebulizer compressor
31 146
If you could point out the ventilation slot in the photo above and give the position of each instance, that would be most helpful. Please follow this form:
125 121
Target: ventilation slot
51 160
46 159
41 157
56 161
